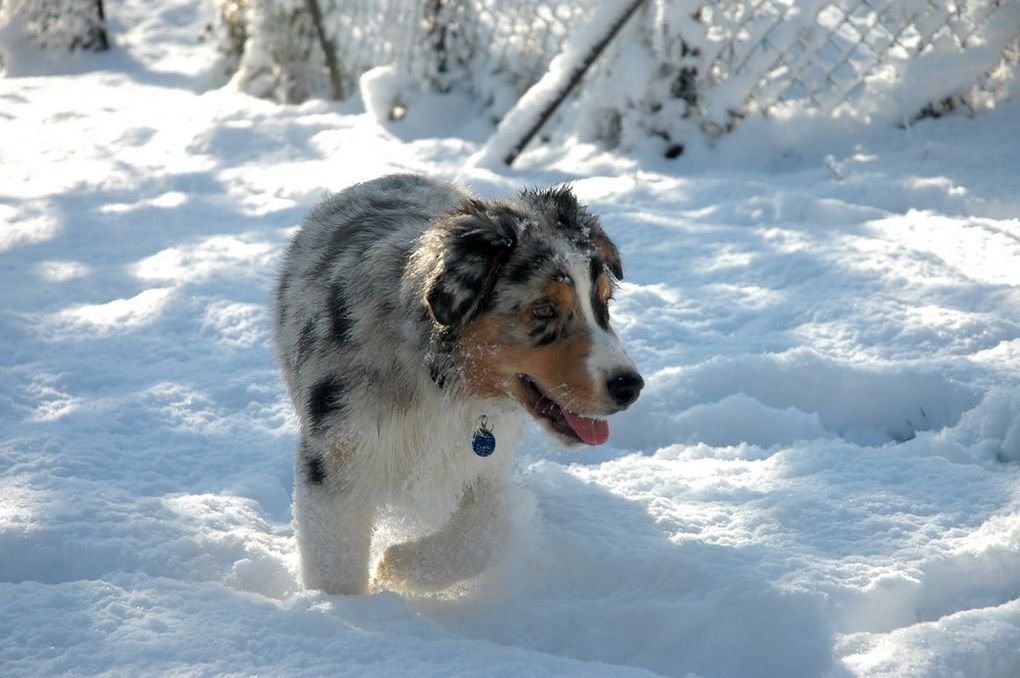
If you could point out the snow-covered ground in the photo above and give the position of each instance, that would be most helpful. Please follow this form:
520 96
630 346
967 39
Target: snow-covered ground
822 477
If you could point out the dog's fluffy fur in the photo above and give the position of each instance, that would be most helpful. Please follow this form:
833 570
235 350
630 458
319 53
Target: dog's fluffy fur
406 309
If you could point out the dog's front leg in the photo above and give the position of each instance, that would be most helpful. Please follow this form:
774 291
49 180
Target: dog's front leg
461 549
333 525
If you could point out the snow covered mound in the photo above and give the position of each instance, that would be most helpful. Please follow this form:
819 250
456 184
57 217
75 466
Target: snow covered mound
821 478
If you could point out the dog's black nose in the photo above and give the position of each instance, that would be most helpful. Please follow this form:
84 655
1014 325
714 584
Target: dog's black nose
624 388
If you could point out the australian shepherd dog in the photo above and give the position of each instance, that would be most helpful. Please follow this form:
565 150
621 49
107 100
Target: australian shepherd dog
418 329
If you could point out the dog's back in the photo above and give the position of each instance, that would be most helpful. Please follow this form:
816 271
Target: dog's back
339 320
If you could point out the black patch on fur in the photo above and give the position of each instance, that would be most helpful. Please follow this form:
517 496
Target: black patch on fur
601 313
339 318
306 342
312 463
547 338
601 309
566 207
463 308
546 332
525 266
441 303
442 361
476 246
315 470
437 373
477 240
325 398
469 278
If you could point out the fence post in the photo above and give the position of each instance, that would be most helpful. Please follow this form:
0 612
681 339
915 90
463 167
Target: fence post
328 50
101 36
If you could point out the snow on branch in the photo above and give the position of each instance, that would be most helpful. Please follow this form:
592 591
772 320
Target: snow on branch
532 111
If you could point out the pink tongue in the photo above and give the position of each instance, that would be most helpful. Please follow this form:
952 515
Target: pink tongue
591 431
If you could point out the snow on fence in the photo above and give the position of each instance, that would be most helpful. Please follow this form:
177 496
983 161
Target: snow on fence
491 48
686 64
689 66
676 68
494 49
830 55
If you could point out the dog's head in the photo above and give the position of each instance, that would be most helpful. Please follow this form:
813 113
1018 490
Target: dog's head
524 286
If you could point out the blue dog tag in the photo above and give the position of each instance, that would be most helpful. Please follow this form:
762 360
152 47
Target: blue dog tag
483 442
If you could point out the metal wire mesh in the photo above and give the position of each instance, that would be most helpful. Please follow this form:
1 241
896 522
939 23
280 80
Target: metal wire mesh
752 56
825 59
451 42
369 33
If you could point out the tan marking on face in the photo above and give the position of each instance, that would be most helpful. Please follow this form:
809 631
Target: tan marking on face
560 369
561 294
603 288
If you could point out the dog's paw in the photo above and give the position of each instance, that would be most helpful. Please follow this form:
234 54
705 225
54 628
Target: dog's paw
409 568
426 566
395 568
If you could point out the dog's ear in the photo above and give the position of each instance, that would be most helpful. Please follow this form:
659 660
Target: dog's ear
474 246
608 253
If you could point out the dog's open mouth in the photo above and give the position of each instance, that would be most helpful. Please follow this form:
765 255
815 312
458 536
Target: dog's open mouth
572 426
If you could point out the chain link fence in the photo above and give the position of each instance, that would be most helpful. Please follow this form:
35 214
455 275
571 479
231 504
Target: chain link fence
828 55
712 63
482 46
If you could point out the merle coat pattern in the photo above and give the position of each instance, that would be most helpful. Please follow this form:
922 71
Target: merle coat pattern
406 309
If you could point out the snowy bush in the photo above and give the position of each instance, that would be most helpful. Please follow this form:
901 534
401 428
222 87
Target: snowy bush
55 25
272 49
229 33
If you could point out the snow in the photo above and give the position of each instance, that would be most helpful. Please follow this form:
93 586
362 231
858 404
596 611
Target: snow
526 113
383 89
821 478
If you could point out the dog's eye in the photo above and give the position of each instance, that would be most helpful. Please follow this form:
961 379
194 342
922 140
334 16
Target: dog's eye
544 311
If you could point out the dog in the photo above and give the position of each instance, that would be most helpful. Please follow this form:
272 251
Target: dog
417 327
